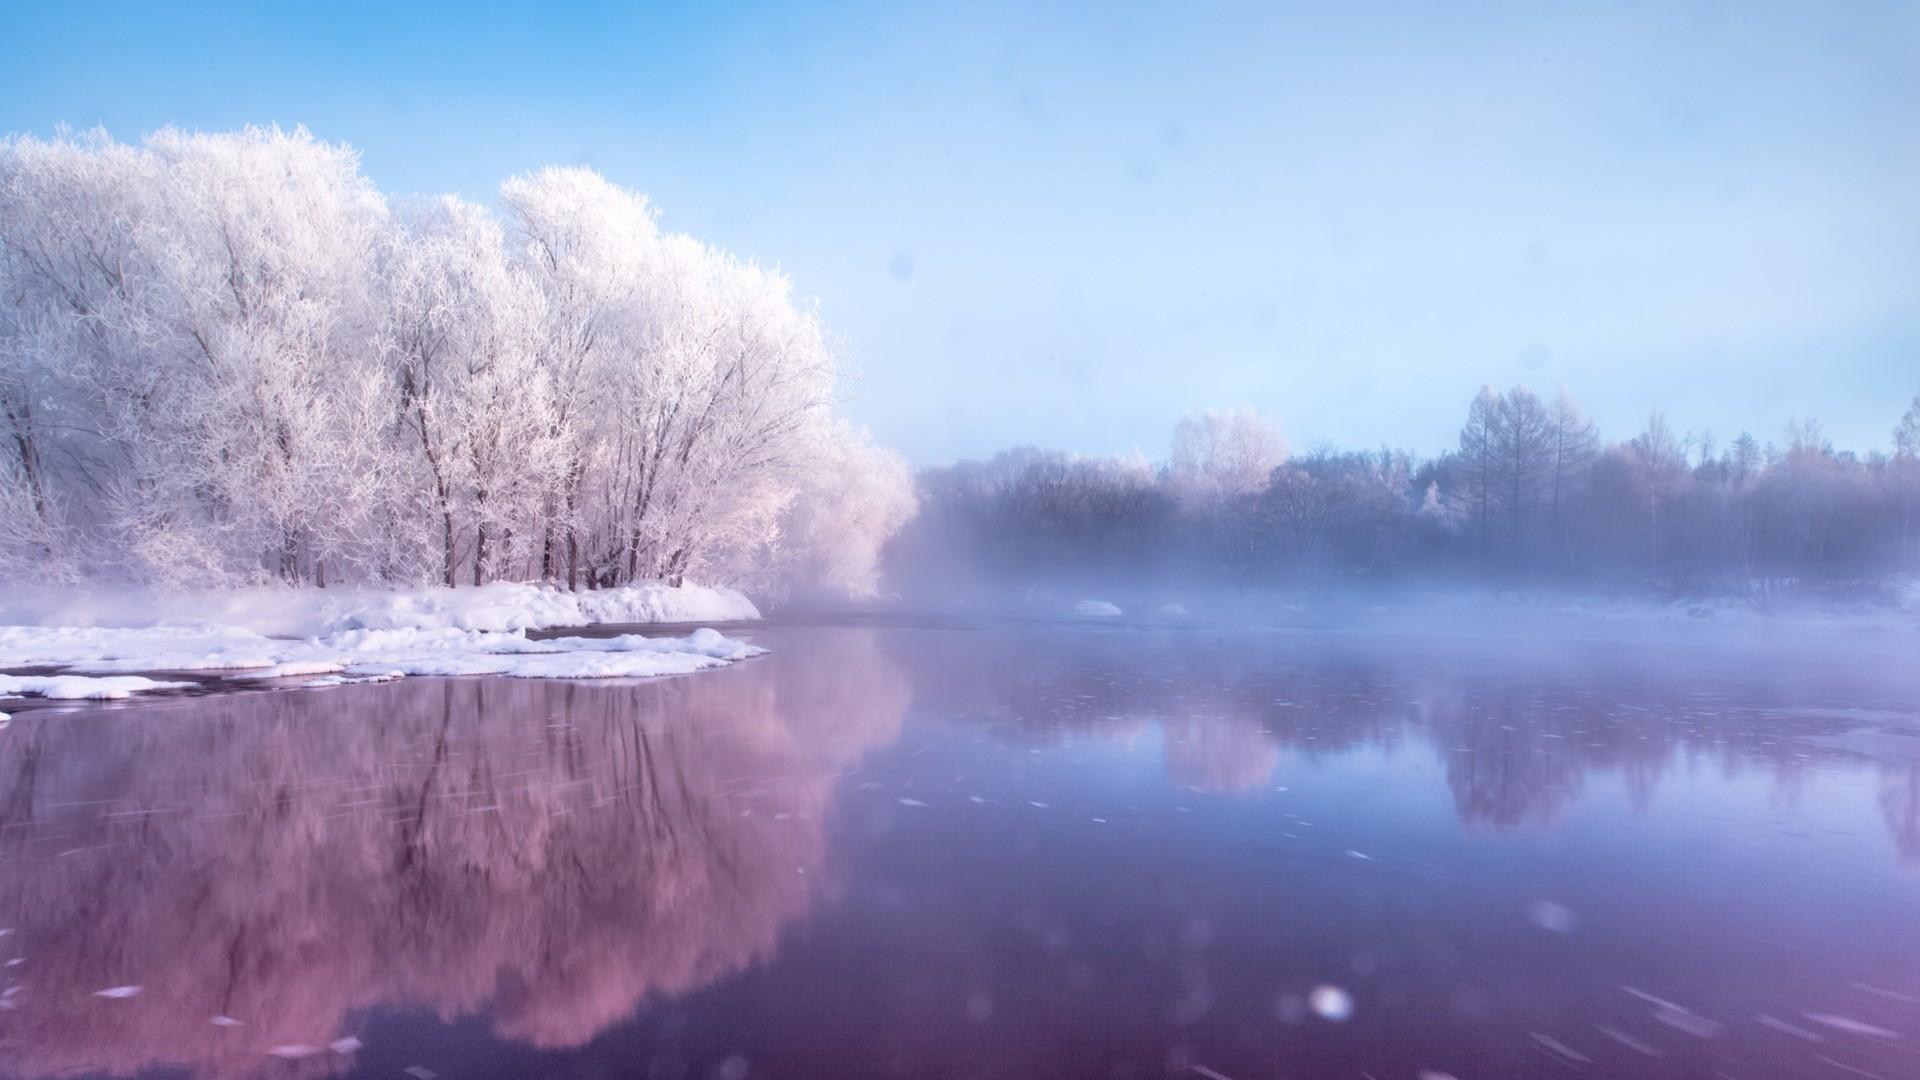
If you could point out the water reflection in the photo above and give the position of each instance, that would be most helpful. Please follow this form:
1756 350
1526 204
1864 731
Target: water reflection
547 859
550 853
1900 803
1521 730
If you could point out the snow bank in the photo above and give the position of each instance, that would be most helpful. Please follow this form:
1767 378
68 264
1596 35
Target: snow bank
358 637
79 687
1174 611
342 657
1096 608
100 650
509 606
310 612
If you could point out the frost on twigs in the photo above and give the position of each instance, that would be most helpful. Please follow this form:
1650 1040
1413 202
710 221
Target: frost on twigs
227 358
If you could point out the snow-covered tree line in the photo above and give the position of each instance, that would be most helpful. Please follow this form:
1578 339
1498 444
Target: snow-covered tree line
1532 493
228 357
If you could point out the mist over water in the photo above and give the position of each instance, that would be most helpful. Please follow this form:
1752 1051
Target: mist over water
981 847
998 541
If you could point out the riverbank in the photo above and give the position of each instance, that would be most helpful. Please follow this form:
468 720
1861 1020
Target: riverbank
111 643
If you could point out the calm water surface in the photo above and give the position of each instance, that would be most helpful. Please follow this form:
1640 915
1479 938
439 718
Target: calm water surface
989 850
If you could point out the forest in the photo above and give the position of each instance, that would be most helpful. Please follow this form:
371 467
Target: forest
229 359
1532 495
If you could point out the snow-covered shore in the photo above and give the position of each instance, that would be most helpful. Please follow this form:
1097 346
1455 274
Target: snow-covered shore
100 644
276 612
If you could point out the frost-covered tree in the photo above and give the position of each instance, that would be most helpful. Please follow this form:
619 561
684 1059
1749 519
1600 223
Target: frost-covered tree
1573 442
1480 459
1743 459
1655 510
264 244
586 243
851 502
69 328
691 393
1524 448
1906 469
228 357
1225 452
463 338
197 308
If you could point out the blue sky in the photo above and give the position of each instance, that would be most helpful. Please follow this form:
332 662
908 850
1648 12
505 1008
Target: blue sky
1068 225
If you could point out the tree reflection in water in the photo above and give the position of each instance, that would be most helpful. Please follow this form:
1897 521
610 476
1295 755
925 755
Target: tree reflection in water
550 857
1521 729
551 853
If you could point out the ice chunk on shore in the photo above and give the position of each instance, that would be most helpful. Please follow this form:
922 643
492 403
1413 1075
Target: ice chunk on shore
1095 608
293 668
80 687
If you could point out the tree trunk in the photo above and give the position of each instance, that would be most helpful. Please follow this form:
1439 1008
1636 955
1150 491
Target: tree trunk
446 544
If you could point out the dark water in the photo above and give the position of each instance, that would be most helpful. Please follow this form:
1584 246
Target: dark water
990 851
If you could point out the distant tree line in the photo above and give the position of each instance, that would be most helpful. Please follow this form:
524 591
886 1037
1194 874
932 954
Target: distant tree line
229 358
1532 494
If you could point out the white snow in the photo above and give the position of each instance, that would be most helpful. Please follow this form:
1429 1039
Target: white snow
286 612
362 637
509 606
1330 1003
79 687
292 668
1095 608
350 654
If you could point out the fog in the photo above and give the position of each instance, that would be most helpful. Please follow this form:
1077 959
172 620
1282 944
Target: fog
1534 500
991 540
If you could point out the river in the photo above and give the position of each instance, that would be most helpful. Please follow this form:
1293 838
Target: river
989 848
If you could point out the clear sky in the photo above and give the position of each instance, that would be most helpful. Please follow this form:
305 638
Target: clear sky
1066 226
